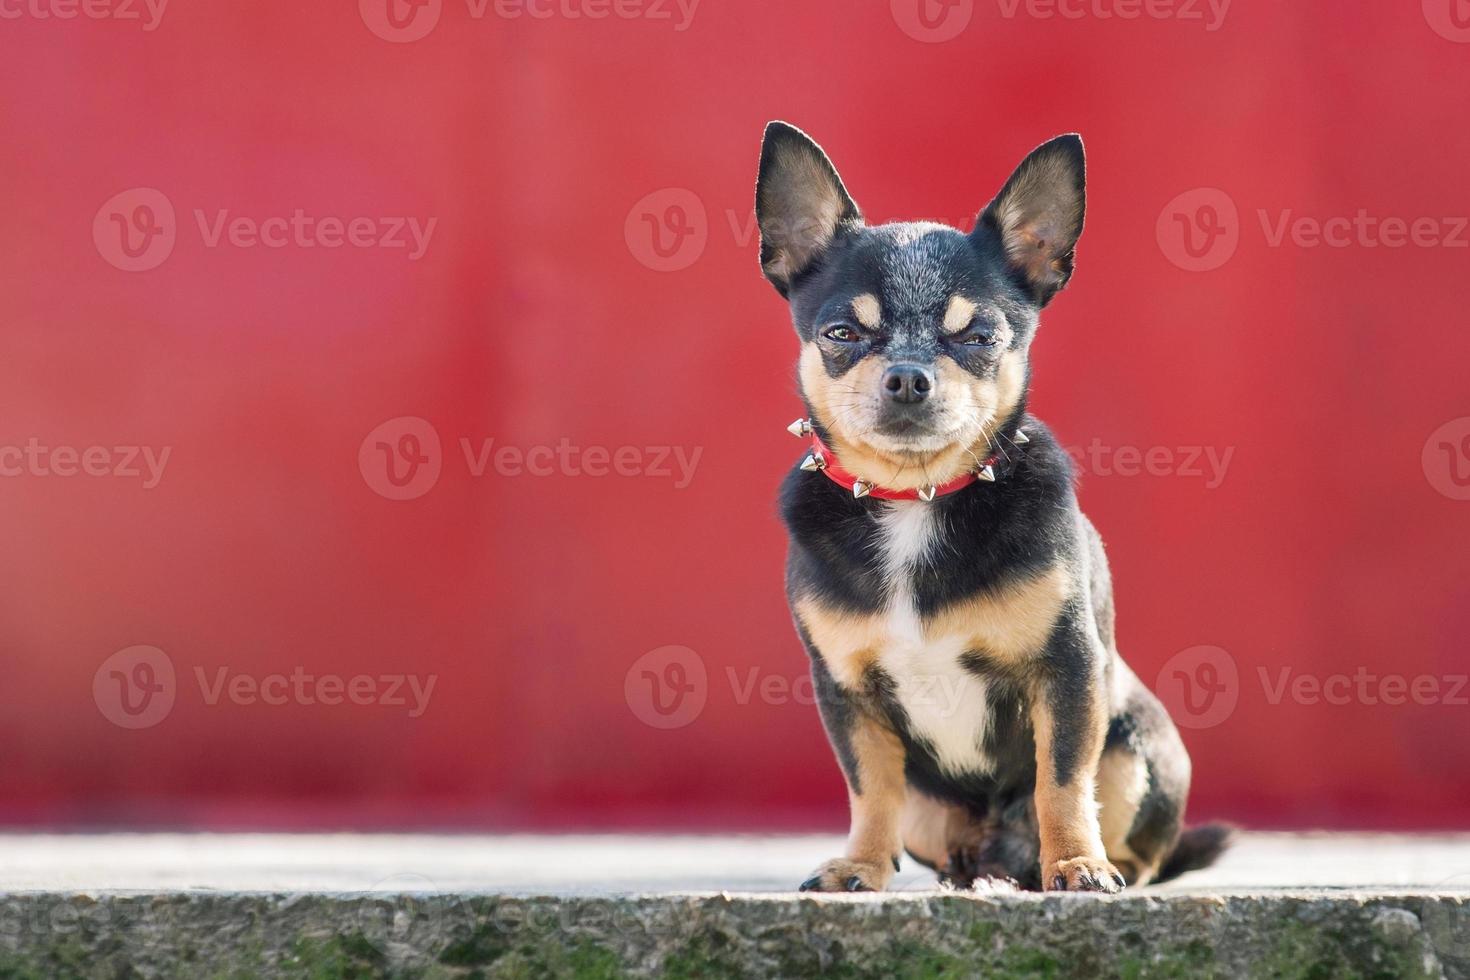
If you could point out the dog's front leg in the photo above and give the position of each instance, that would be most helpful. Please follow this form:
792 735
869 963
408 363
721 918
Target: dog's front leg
1069 716
872 759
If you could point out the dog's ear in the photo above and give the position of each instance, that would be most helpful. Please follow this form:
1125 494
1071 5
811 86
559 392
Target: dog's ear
800 204
1038 214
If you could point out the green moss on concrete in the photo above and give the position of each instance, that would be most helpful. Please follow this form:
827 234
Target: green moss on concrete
248 963
17 970
984 933
341 957
1021 961
481 948
682 938
490 953
557 962
708 955
711 956
1302 951
1192 959
66 959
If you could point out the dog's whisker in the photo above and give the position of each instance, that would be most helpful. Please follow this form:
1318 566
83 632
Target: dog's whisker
993 440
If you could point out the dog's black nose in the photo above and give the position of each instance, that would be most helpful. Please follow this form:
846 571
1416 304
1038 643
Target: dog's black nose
908 384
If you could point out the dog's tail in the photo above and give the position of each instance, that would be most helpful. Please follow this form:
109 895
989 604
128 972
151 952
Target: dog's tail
1198 847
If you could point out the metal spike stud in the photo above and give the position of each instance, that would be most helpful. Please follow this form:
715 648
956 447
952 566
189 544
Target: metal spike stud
1021 438
927 493
814 462
861 489
986 473
801 428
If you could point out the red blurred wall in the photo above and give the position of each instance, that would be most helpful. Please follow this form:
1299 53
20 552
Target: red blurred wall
1336 541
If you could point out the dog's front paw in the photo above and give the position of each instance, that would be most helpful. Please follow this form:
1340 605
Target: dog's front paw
842 875
1081 874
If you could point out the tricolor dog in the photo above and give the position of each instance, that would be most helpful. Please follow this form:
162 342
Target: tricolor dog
953 599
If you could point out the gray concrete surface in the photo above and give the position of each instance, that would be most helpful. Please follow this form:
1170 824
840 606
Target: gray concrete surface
611 865
328 906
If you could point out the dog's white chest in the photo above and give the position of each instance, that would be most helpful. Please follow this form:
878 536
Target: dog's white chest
945 704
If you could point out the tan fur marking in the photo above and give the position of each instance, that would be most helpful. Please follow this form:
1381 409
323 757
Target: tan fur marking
959 314
1122 783
849 643
1066 815
1010 625
1010 381
924 826
874 836
868 310
933 830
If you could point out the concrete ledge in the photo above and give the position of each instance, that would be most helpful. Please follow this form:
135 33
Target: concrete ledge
1270 934
135 906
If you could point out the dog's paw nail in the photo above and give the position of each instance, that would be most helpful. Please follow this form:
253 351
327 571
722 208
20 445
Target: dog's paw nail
895 863
810 883
855 884
1119 880
1059 883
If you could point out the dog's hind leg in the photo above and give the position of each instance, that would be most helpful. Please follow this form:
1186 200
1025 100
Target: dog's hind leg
1142 785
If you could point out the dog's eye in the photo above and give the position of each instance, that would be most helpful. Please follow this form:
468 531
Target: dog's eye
842 334
979 335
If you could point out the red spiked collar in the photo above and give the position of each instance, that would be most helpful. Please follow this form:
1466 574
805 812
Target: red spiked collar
823 459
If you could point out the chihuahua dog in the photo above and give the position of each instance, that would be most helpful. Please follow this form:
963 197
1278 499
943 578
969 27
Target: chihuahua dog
954 601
